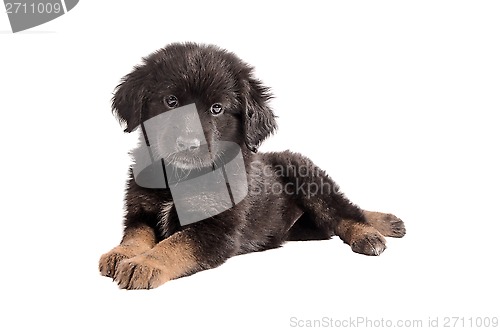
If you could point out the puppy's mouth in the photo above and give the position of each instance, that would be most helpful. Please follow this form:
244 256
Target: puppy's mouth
203 158
190 159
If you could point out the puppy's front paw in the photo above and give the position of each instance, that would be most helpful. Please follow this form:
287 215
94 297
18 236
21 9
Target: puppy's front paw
109 261
140 272
370 243
387 224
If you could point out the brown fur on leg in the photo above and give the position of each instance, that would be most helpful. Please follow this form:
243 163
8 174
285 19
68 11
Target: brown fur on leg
169 259
362 237
387 224
136 240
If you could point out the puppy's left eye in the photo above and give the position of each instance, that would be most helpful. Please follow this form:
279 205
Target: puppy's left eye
216 109
171 101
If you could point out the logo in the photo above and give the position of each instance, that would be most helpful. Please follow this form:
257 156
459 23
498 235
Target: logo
173 154
26 14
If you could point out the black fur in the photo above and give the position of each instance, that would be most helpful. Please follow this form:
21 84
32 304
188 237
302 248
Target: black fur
265 219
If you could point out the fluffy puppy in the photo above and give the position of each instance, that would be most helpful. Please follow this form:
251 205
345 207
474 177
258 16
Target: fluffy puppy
287 196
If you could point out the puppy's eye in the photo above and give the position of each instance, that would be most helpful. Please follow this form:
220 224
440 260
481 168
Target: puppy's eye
216 109
171 101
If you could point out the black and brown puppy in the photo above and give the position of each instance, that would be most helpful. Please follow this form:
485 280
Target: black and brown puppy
288 198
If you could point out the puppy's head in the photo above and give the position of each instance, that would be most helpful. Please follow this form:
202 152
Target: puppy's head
231 104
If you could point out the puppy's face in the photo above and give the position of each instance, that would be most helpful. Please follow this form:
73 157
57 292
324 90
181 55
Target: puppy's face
202 112
211 96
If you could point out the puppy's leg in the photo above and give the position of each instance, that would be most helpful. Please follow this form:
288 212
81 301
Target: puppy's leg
327 207
136 240
198 247
368 238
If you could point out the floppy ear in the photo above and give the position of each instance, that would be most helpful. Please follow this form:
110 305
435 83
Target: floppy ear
129 98
258 119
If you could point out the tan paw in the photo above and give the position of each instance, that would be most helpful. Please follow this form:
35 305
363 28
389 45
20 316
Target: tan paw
109 261
369 243
141 272
387 224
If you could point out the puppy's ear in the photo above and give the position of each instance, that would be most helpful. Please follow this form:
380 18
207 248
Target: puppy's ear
258 119
130 97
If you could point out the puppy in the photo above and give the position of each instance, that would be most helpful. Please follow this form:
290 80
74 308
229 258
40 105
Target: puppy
278 197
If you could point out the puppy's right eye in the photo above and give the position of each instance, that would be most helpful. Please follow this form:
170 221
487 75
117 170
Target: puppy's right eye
171 101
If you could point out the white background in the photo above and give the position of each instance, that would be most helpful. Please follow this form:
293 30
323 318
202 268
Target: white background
397 100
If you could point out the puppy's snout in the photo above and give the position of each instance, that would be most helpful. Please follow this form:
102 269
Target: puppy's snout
190 144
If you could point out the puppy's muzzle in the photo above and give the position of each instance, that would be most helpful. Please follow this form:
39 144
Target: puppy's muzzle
187 144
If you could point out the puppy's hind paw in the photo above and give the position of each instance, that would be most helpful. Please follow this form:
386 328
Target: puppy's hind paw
387 224
372 244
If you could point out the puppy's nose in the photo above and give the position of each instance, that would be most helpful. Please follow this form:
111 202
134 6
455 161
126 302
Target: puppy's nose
190 144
